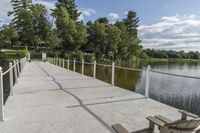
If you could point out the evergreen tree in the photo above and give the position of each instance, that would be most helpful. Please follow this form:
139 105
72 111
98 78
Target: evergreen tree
71 8
73 34
132 23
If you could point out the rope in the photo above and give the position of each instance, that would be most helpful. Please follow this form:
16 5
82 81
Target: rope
9 69
88 63
129 68
177 75
104 65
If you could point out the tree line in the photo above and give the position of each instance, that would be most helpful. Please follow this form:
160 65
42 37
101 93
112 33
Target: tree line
31 26
62 31
152 53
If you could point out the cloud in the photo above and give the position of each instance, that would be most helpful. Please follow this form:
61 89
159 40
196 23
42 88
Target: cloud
113 16
49 5
86 12
126 13
172 32
5 6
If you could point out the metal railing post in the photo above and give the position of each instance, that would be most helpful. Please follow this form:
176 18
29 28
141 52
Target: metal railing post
74 65
11 79
59 60
147 82
63 63
1 96
18 68
68 64
94 70
113 74
82 67
15 71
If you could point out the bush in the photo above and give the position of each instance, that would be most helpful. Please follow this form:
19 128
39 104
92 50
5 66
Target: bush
78 55
89 57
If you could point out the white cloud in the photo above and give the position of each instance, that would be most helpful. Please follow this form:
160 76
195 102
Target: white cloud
172 32
113 16
86 12
49 5
126 13
5 6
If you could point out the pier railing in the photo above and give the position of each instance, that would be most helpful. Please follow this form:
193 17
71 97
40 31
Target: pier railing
14 70
63 63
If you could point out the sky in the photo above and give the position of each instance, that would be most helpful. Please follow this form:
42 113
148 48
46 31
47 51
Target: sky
164 24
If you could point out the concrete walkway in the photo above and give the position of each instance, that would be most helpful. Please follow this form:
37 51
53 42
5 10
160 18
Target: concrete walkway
50 99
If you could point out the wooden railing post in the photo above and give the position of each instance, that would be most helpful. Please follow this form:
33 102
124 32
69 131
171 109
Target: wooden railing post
82 66
1 96
74 65
11 79
68 63
113 74
15 71
94 70
63 63
147 82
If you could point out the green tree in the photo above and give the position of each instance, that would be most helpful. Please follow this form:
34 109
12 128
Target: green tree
8 36
22 20
71 8
41 24
73 34
113 39
52 40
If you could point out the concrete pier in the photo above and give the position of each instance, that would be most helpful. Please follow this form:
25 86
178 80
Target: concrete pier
51 99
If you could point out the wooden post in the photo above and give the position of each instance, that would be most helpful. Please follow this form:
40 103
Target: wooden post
63 63
68 64
11 79
94 70
1 96
113 74
74 65
82 66
147 82
15 71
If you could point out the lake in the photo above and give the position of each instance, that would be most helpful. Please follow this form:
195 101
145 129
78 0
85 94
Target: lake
179 92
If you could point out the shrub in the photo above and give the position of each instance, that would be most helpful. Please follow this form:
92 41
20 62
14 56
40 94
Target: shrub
89 57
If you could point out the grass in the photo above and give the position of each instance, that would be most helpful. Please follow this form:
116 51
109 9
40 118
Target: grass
11 54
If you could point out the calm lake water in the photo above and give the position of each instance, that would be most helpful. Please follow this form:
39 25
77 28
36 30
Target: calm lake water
182 93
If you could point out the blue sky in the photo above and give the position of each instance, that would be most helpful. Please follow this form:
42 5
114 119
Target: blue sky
164 24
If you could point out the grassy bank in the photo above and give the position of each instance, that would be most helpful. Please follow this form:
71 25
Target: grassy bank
11 54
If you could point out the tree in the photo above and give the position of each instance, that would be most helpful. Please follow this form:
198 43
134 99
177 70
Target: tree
52 40
22 20
132 23
41 24
102 20
71 8
8 36
17 5
113 39
73 34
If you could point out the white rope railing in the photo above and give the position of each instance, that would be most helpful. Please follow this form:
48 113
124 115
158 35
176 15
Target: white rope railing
17 68
9 69
177 75
148 70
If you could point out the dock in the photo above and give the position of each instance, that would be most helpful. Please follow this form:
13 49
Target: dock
52 99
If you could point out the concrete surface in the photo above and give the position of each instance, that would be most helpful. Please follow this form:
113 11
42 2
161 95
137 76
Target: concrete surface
50 99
